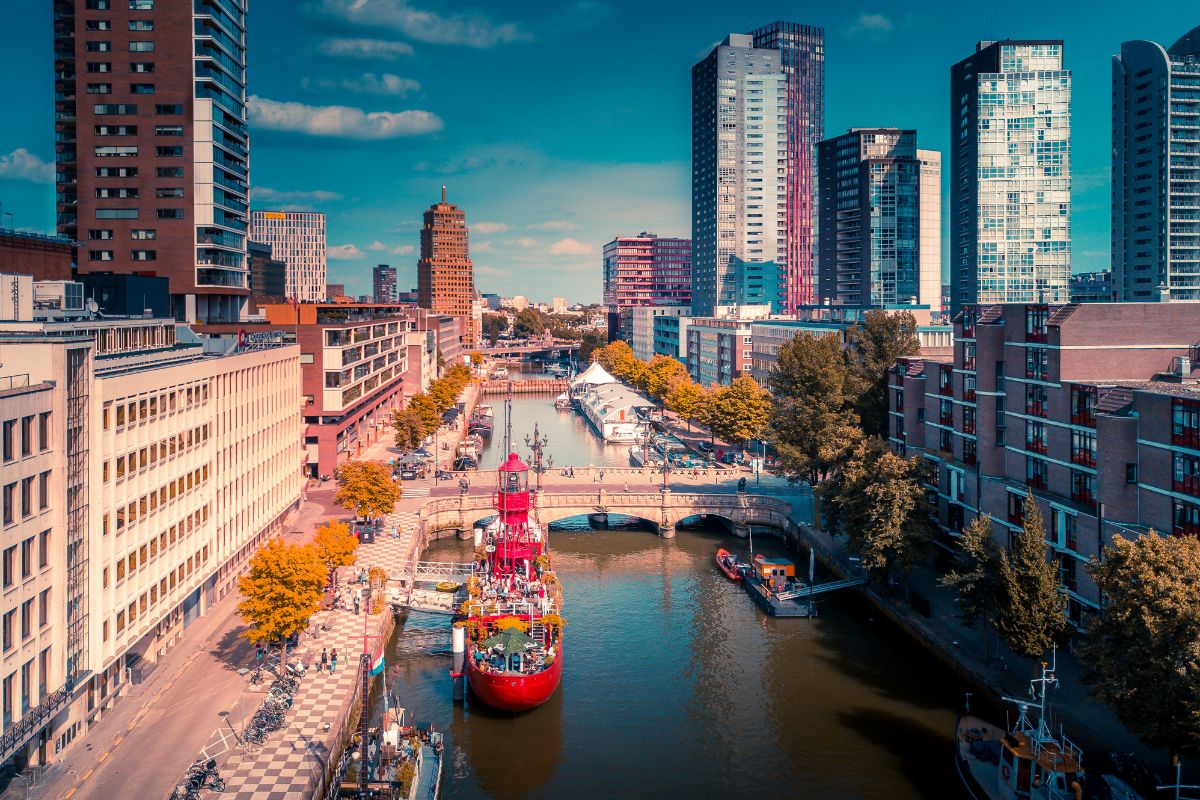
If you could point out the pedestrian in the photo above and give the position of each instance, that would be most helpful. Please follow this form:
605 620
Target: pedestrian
355 604
258 653
324 659
627 486
333 662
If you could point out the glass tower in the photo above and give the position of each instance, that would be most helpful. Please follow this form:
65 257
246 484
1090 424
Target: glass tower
1010 173
1156 170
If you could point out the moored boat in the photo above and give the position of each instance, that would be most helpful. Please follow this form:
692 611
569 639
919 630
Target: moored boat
563 402
727 563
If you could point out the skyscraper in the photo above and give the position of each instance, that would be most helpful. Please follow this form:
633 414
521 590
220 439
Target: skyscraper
647 270
880 218
802 57
1010 174
384 283
445 275
1155 170
151 148
297 238
739 194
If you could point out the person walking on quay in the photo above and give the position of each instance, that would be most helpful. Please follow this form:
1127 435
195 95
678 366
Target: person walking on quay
333 662
324 659
626 486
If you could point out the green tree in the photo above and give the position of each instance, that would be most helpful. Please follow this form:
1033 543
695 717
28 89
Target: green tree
280 593
875 501
976 580
687 399
812 424
739 412
872 347
366 488
592 341
660 374
409 428
529 322
1143 654
335 545
494 326
426 409
1032 614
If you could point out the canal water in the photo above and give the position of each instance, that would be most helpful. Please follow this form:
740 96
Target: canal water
676 685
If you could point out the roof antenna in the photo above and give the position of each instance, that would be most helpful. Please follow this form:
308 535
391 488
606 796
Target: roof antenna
443 194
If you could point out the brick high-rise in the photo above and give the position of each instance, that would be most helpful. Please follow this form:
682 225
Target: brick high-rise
151 145
445 275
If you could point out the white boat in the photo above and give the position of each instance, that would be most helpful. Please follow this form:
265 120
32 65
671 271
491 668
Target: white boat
500 374
1028 762
563 401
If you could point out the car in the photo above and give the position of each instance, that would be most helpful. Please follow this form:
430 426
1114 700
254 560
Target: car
408 473
704 447
730 457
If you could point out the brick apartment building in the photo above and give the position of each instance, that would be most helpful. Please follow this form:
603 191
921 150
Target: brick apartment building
1093 407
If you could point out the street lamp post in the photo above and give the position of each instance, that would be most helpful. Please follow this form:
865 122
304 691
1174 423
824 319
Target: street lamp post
537 445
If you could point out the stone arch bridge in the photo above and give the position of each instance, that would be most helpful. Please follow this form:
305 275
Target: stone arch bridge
664 509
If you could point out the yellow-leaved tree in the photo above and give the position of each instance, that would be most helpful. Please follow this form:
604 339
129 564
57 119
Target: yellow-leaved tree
335 545
366 488
282 590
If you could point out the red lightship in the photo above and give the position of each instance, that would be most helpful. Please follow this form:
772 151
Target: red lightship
514 630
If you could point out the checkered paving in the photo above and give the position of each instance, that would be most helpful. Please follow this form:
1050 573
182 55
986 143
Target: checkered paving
290 764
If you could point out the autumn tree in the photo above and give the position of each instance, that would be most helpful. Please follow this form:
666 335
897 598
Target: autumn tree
812 424
1032 614
660 374
872 347
476 359
335 545
617 357
876 502
687 399
976 579
366 488
426 410
739 412
494 326
1143 654
280 593
409 428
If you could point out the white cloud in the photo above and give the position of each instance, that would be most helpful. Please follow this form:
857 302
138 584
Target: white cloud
262 194
22 165
492 272
340 121
344 252
483 247
569 247
377 246
488 227
367 83
403 250
869 26
524 242
553 225
366 48
469 28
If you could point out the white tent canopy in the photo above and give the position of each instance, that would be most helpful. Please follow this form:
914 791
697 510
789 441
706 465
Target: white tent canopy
595 375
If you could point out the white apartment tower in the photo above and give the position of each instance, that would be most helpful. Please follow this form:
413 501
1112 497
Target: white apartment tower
297 238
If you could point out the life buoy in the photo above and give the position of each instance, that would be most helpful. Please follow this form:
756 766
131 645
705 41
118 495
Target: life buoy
1005 772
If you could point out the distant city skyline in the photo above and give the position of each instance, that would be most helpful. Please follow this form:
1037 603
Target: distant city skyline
365 112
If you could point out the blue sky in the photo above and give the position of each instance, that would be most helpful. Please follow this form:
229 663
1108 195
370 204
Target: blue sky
557 125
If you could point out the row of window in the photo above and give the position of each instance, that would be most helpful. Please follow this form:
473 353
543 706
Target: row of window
97 46
26 611
134 5
131 150
135 255
27 696
134 462
149 408
106 234
141 556
9 563
28 442
130 130
132 172
106 25
132 213
149 503
150 598
26 487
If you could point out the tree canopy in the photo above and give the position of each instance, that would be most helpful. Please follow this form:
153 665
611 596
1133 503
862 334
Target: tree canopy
687 399
335 545
872 347
529 322
739 412
1032 615
660 374
593 340
1143 655
494 326
976 580
280 592
366 488
409 427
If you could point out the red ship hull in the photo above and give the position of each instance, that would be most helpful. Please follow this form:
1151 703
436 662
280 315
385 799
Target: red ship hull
505 692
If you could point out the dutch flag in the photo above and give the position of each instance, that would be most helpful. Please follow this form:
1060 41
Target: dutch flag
377 660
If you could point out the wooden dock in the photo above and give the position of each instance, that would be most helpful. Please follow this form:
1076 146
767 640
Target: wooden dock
496 388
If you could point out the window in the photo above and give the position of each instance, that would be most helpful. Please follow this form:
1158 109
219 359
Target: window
169 152
9 565
97 5
141 25
44 431
100 255
1186 518
143 233
107 109
168 130
1083 405
1035 436
1131 473
116 193
9 620
10 435
170 213
168 109
120 622
1185 421
115 151
27 618
44 491
1036 363
142 67
26 435
1035 400
99 47
26 497
44 608
43 549
1083 448
141 88
99 88
10 502
1035 473
102 234
144 255
168 193
1016 508
117 213
98 25
141 5
99 66
1036 319
1083 487
141 47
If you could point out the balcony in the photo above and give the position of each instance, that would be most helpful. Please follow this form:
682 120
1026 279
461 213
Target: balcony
946 390
969 395
1188 437
1036 408
1085 420
1085 458
1190 485
946 419
1036 445
968 426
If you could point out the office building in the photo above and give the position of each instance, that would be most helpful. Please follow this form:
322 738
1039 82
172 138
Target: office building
1092 287
739 195
151 145
445 275
646 270
1155 170
559 304
383 283
802 58
718 349
1010 174
297 238
670 336
880 219
1093 408
268 275
140 474
642 324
